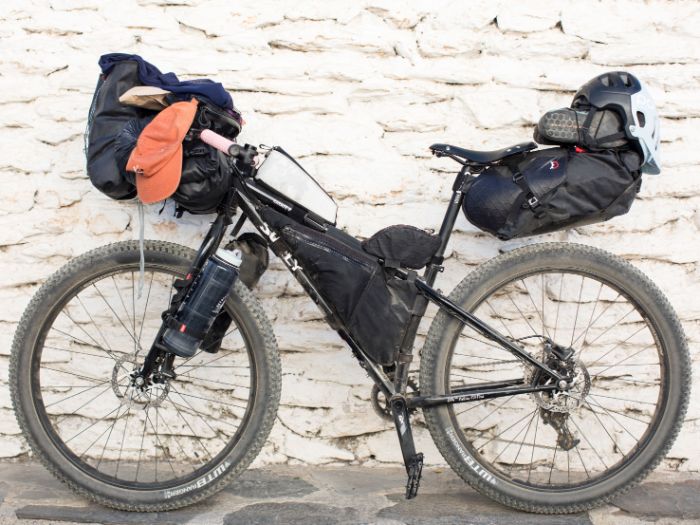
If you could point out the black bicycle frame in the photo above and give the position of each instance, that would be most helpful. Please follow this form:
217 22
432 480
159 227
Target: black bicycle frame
248 198
248 201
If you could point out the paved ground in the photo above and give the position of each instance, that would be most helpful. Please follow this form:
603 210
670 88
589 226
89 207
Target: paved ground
334 496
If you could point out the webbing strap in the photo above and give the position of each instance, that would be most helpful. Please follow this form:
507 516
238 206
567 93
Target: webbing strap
530 198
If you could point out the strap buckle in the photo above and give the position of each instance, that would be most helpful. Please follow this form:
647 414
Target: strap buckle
533 202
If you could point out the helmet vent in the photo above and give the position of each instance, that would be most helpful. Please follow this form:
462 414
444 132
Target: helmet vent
640 117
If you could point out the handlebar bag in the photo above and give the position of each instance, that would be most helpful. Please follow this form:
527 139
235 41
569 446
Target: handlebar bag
113 129
552 189
106 119
373 304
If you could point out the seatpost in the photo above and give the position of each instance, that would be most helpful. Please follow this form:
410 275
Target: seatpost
448 223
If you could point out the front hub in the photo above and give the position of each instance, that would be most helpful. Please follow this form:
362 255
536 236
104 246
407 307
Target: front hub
129 384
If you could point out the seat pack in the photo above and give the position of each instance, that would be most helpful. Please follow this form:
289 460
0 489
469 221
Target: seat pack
552 189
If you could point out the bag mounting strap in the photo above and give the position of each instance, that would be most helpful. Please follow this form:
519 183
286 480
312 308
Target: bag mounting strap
530 198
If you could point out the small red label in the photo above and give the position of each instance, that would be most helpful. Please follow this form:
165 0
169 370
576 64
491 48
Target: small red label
553 164
578 149
183 328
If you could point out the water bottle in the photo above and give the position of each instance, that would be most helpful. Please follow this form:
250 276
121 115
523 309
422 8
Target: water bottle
203 303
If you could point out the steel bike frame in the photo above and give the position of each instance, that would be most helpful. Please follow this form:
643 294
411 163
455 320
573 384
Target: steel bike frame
250 195
249 198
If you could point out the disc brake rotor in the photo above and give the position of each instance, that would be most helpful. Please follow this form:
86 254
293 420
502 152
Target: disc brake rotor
563 401
149 394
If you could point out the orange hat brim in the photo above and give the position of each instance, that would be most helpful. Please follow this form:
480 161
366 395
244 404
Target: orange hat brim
164 183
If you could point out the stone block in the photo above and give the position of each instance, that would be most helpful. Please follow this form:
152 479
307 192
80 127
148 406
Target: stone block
604 23
12 446
647 48
314 451
99 222
528 17
496 106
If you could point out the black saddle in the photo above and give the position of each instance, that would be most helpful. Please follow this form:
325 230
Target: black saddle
480 157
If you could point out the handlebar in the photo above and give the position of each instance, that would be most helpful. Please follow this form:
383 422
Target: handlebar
245 153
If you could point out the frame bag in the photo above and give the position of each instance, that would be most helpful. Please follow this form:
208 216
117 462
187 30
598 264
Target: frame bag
372 304
552 189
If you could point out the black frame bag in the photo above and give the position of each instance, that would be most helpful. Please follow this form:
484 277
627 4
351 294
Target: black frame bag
552 189
373 304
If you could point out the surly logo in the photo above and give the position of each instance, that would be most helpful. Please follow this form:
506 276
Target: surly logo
291 262
267 232
479 470
201 482
469 397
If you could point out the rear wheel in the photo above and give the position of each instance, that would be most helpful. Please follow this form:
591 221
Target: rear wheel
162 446
571 450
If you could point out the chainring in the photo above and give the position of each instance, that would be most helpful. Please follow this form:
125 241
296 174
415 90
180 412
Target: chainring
380 403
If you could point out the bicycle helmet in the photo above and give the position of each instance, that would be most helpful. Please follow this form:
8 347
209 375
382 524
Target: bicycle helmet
625 94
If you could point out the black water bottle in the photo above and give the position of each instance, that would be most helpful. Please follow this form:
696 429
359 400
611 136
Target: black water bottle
203 303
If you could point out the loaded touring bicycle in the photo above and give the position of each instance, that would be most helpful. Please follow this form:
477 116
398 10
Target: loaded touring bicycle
553 377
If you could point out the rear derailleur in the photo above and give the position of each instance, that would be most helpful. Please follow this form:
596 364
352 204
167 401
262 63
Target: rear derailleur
557 420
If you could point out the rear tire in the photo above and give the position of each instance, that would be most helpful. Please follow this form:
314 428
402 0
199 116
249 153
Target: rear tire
61 456
471 458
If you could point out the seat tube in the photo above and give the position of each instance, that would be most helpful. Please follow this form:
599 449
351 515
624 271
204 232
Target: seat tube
448 223
420 305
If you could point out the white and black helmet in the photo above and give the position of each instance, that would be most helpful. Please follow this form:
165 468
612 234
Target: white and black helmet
625 94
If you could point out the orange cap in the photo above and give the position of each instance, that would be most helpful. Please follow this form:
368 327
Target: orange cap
157 157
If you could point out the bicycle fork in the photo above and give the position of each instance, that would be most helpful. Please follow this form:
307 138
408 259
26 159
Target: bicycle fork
412 460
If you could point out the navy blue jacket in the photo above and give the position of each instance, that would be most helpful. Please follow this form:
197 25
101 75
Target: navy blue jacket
150 75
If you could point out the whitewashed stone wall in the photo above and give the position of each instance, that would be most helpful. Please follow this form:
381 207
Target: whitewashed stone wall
356 91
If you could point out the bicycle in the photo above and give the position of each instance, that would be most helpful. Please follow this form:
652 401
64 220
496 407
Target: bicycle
529 394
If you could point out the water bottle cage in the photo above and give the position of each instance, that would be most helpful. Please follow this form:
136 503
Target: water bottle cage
182 287
170 321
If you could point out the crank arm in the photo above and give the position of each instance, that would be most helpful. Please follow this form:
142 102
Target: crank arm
413 461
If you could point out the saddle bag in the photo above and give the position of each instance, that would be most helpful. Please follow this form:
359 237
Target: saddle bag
552 189
373 304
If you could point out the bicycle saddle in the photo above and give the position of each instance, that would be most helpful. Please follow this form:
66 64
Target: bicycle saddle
481 157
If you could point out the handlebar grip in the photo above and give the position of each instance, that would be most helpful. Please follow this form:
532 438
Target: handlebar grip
217 141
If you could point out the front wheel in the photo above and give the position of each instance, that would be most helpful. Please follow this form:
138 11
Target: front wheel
155 447
564 451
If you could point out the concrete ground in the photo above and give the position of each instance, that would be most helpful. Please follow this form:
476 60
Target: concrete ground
348 495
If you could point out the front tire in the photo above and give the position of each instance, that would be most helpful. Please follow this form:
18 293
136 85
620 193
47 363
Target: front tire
78 340
597 458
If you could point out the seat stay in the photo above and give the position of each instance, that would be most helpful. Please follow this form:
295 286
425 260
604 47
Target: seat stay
481 157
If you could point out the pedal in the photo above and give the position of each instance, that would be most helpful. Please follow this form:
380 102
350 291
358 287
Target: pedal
414 469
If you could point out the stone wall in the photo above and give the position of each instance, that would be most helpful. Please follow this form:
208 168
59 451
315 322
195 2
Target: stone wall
356 91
